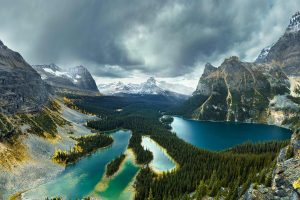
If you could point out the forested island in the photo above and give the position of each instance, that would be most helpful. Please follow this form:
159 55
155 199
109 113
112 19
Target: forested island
114 165
85 145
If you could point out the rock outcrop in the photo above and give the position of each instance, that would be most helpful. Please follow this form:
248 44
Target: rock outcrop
21 87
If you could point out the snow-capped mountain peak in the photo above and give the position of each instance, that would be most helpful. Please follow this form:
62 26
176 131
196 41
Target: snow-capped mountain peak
150 87
294 25
76 77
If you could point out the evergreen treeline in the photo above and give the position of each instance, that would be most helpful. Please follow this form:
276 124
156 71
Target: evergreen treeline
103 106
259 148
114 165
84 146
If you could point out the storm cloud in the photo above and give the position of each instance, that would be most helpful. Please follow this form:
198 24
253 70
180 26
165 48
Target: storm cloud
163 38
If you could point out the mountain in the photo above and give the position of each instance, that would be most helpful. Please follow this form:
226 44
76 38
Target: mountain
286 51
150 87
236 91
75 80
21 87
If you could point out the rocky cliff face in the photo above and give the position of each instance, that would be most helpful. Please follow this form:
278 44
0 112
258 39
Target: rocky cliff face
21 87
73 80
286 51
238 91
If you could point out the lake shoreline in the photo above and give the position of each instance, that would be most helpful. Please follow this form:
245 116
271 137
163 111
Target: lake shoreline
232 122
165 152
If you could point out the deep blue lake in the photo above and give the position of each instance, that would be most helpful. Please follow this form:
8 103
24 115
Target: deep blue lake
223 135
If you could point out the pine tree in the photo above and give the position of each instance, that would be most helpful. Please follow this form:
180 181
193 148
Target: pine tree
268 180
150 197
201 190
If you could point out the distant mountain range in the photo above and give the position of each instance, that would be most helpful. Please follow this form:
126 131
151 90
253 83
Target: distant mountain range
76 80
150 87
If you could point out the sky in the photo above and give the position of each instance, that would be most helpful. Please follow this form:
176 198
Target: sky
131 40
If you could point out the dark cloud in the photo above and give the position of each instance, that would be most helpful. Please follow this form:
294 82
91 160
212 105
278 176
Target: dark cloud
164 38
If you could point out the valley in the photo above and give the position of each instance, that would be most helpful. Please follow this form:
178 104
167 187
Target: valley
236 137
200 162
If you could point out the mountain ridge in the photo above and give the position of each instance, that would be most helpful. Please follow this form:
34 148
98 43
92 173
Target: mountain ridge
237 91
286 51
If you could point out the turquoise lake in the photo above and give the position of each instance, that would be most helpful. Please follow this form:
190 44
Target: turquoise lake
86 177
161 162
223 135
80 180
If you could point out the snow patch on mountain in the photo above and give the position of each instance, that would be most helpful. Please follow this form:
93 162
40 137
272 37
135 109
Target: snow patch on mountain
294 25
48 71
263 54
56 73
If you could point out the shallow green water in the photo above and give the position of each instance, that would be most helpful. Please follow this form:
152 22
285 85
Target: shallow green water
118 186
161 162
80 179
223 135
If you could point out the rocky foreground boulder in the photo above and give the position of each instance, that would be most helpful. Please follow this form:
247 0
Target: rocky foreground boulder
285 178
